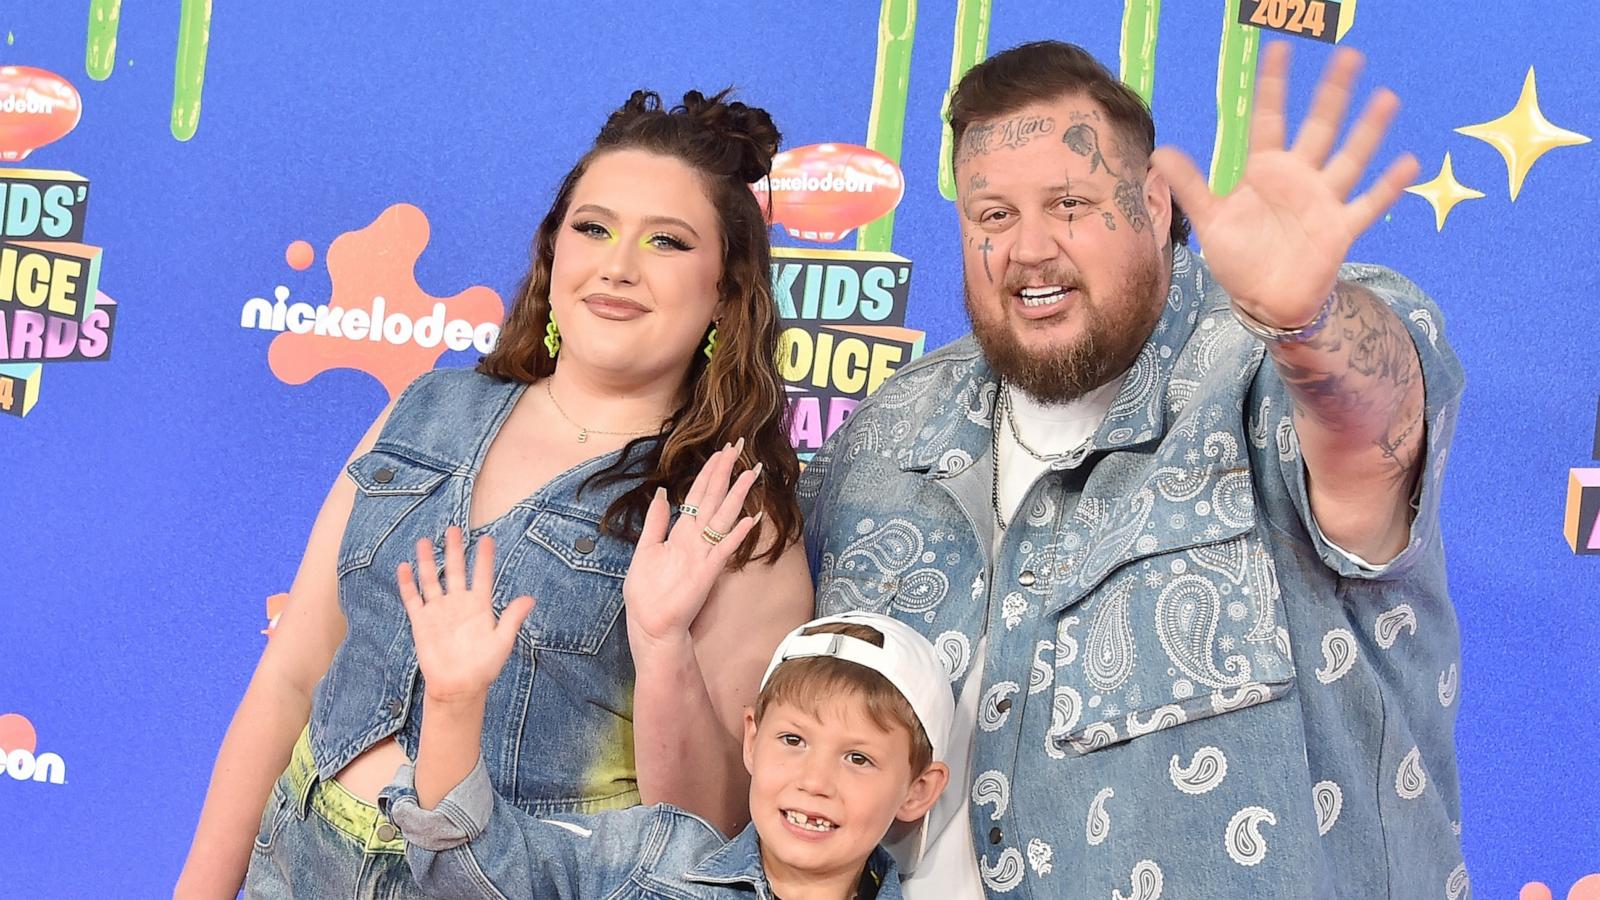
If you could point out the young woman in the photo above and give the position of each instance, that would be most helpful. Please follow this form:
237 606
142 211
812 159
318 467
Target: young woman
639 355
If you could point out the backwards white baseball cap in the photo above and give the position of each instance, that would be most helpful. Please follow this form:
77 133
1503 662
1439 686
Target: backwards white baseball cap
908 662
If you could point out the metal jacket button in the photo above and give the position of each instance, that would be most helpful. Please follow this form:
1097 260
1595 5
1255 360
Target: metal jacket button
387 832
1026 579
995 835
396 706
1004 705
584 545
383 475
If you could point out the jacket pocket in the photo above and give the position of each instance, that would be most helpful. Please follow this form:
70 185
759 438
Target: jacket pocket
574 573
388 487
1168 639
273 818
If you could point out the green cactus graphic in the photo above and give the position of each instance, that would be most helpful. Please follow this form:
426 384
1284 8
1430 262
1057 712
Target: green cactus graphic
1236 89
971 46
886 129
100 56
189 77
1141 19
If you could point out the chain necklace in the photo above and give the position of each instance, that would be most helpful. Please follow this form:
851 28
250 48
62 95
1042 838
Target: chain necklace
583 430
1011 422
994 455
1003 408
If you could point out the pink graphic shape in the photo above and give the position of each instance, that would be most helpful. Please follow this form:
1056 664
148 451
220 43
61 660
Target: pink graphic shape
17 733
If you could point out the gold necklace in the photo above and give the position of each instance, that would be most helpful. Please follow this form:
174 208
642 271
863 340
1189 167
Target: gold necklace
583 430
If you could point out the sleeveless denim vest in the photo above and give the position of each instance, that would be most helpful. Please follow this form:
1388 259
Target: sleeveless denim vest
558 736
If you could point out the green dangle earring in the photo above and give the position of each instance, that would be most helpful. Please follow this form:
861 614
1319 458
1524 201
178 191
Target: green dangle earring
552 336
711 343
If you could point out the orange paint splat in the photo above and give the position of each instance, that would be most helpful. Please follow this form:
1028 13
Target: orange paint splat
299 255
380 261
275 605
17 733
1587 888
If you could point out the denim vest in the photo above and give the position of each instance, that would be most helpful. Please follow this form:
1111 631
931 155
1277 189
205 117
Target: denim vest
1188 691
558 734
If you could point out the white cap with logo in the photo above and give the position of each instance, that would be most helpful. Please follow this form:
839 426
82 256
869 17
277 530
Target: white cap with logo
909 663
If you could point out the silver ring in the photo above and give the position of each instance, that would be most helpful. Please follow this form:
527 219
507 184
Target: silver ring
689 509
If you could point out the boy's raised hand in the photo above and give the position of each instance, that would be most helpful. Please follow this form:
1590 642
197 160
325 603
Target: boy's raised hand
673 569
461 644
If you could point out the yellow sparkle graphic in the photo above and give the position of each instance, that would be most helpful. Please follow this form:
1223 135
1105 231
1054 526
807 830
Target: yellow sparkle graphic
1523 135
1443 192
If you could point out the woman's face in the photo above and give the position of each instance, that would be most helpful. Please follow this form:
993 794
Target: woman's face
637 262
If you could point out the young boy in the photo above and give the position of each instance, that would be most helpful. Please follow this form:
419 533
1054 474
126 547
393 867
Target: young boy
846 738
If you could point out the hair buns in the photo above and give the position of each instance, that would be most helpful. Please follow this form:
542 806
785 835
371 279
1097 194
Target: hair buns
732 139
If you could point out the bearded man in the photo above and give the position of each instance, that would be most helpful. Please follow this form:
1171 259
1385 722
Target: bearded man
1172 523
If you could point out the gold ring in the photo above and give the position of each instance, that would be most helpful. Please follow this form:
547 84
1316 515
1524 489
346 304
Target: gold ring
712 536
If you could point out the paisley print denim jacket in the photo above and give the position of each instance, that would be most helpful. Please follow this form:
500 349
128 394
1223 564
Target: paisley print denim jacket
1188 692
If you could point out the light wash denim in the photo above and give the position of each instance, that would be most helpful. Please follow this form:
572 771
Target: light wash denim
1188 693
474 844
558 734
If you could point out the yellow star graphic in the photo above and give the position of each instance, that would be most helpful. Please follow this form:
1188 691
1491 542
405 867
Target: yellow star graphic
1443 192
1523 135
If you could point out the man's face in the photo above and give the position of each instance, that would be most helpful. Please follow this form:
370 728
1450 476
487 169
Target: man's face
1063 246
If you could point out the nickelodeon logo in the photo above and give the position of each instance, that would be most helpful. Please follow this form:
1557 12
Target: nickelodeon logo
822 192
18 743
378 319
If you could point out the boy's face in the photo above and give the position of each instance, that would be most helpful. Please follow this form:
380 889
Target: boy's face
825 787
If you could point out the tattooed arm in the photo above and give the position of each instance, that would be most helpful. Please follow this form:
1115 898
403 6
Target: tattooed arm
1358 413
1275 243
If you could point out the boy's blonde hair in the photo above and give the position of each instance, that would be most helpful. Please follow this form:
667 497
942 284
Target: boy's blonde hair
806 681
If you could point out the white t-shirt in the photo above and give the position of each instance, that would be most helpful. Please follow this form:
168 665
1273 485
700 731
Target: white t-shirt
949 868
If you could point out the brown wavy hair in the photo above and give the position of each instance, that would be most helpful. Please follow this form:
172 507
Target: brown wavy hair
739 392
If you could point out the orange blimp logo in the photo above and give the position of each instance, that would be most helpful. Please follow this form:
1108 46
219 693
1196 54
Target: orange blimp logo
822 192
36 108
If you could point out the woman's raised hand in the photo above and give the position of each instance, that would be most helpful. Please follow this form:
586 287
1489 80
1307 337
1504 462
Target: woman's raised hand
673 569
461 644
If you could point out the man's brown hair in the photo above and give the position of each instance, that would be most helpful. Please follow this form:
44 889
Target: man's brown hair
806 681
1044 71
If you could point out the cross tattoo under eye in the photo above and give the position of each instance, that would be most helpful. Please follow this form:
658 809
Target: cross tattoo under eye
984 248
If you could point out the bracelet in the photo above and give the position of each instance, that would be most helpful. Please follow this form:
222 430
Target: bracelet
1273 335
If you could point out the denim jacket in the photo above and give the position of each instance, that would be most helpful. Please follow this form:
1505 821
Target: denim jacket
558 733
1188 692
472 844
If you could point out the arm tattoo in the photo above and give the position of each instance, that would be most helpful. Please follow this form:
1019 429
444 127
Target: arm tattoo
1361 369
986 137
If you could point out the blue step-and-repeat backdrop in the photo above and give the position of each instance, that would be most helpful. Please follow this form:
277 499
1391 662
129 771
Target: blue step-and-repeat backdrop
230 235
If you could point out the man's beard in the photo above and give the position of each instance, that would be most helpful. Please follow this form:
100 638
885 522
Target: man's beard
1115 328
